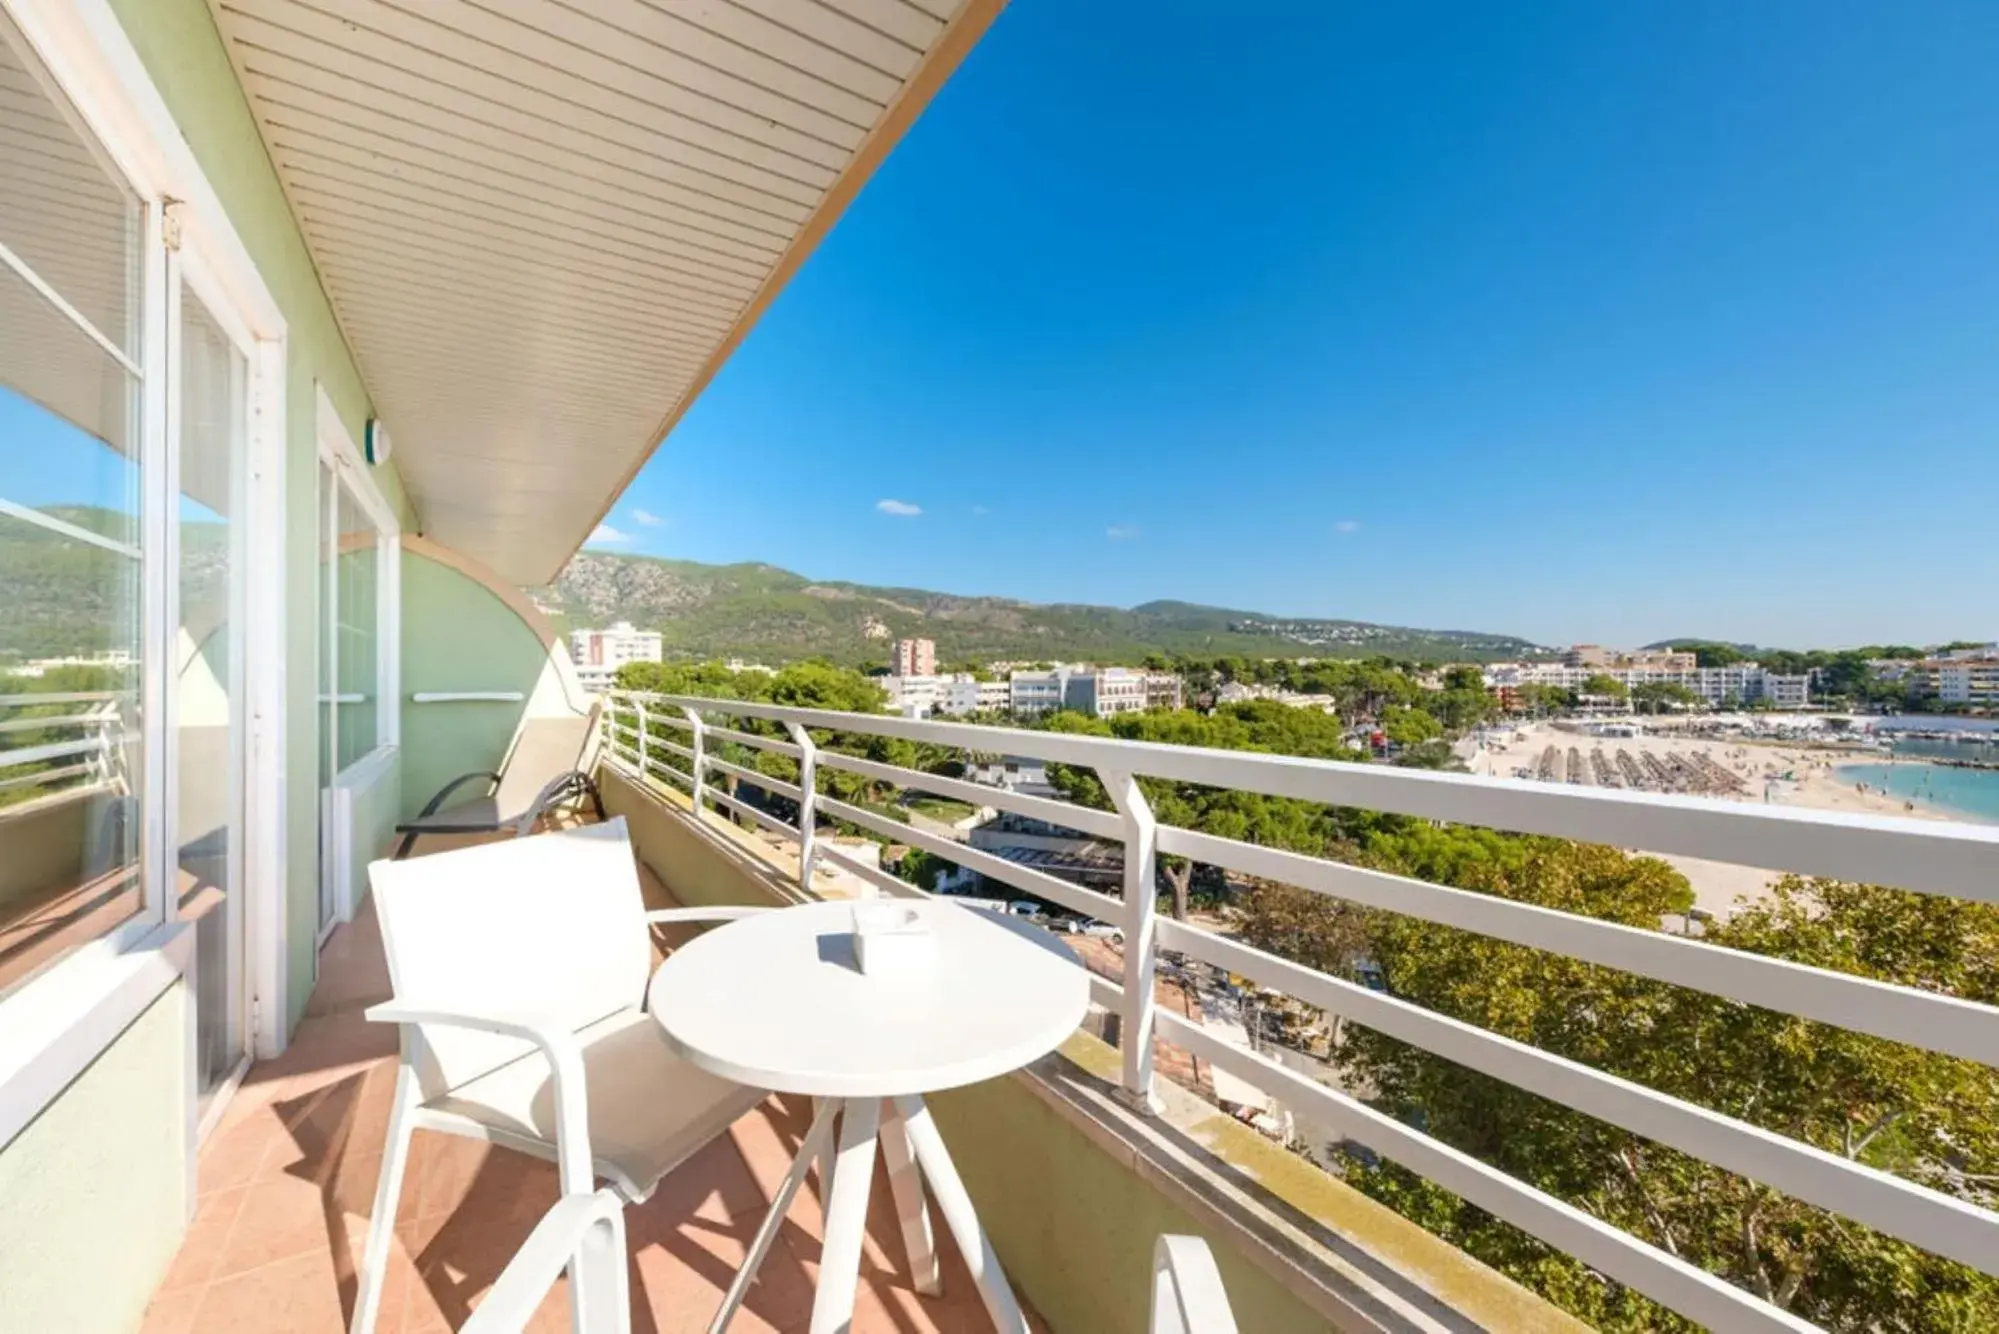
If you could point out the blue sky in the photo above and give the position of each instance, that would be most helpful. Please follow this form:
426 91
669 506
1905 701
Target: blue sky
1579 321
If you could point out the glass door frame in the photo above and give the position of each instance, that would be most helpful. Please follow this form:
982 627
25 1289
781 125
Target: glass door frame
189 275
90 996
339 459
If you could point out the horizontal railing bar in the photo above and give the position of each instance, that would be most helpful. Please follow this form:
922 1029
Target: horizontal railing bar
1923 1217
752 740
1901 1014
57 750
1932 856
667 771
64 697
874 875
1067 814
673 748
43 777
765 781
1022 878
1105 992
1693 1292
749 812
31 724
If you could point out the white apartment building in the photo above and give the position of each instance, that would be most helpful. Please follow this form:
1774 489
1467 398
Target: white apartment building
1104 691
966 695
1788 692
1032 693
1961 680
1742 682
954 696
599 653
914 657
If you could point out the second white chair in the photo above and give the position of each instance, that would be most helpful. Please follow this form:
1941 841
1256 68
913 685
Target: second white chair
519 971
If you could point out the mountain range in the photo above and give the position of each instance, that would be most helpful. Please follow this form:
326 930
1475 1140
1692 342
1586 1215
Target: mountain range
763 612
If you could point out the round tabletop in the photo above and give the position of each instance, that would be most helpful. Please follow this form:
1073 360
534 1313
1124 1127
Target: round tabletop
777 1001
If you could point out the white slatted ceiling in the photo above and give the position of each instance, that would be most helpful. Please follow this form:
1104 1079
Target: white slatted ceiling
540 222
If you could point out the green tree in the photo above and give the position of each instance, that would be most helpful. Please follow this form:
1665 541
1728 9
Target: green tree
1927 1117
1605 686
1660 696
1409 727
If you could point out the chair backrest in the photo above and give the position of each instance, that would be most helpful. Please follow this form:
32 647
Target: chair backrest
544 748
551 926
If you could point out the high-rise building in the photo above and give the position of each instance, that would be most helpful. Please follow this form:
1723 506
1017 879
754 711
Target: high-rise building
599 653
914 657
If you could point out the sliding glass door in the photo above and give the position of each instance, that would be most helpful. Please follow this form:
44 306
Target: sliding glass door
209 732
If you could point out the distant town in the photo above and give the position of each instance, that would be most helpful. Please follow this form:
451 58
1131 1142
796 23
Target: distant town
1585 678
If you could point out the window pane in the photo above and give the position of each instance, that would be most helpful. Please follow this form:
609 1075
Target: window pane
328 542
207 652
354 660
63 211
69 635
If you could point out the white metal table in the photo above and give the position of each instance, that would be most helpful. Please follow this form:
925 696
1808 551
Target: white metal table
776 1001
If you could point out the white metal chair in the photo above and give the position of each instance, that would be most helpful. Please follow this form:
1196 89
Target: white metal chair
1187 1292
519 971
586 1235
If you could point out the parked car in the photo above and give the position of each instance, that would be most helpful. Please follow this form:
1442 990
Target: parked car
1025 908
1102 931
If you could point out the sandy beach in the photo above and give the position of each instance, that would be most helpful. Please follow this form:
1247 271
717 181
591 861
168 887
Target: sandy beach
1782 774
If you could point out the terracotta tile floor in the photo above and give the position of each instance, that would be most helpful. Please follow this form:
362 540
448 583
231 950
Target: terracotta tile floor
287 1180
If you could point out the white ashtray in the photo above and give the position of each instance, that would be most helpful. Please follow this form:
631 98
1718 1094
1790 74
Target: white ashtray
891 938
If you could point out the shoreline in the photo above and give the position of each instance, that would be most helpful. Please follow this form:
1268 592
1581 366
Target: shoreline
1781 773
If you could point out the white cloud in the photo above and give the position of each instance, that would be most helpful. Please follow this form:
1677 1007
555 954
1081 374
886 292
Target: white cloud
647 519
604 534
1345 526
902 509
1121 532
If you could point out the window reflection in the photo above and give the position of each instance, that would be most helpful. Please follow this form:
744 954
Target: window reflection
70 749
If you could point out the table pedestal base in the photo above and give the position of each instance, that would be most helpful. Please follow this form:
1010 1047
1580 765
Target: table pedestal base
915 1153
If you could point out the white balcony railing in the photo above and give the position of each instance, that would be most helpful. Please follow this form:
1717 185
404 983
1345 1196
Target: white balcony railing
88 746
1931 857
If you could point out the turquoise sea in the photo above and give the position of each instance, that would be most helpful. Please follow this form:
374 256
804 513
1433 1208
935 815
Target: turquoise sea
1967 793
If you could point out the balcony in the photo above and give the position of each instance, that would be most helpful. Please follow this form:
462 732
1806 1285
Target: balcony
1078 1162
253 238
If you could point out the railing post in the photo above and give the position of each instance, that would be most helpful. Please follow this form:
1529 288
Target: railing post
808 800
645 765
700 761
1141 861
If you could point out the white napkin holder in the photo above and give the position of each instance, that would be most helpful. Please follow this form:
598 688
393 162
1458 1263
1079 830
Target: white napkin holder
891 939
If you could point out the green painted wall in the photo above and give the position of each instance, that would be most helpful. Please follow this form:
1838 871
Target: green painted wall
458 636
95 1197
184 54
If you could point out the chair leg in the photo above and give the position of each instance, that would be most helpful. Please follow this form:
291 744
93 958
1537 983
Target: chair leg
600 1299
403 848
388 1193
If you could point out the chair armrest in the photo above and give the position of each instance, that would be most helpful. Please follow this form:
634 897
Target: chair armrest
1187 1292
720 913
556 1242
565 1061
432 806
